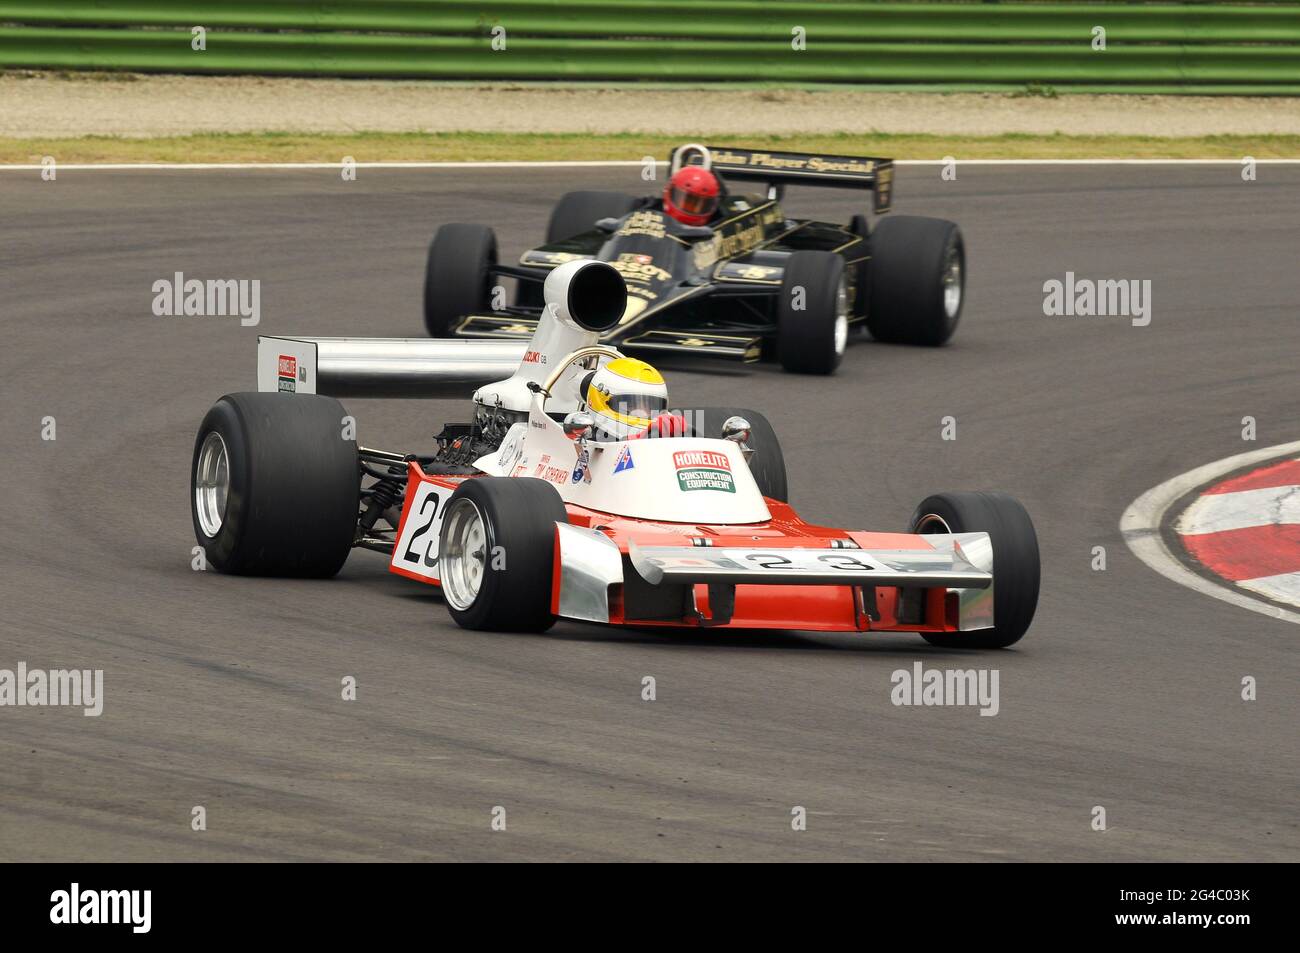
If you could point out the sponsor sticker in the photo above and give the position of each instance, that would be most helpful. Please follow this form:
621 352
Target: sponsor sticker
624 461
512 448
545 470
582 469
703 470
638 268
643 223
288 374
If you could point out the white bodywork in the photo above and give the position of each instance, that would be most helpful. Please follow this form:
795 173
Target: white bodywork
556 336
674 479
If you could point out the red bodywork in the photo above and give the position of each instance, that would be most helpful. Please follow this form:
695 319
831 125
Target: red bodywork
808 607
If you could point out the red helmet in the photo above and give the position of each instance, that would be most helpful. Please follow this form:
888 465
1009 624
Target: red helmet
691 195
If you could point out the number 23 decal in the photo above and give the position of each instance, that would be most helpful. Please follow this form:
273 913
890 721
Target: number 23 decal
417 550
837 560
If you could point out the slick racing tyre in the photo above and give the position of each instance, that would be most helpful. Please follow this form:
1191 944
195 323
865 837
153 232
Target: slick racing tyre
274 485
457 276
767 463
812 313
496 551
918 280
1015 561
578 212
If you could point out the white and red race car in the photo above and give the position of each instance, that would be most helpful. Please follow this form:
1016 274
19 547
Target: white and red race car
522 516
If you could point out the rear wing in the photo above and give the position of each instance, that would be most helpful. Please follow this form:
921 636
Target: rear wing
382 367
781 168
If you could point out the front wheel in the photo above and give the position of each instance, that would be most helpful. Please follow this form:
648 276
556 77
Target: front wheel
496 552
1015 561
275 485
812 313
457 275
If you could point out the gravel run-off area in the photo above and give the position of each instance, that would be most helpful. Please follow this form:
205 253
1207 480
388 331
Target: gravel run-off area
34 105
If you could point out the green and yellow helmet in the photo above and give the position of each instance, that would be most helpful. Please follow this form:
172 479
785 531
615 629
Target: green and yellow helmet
624 396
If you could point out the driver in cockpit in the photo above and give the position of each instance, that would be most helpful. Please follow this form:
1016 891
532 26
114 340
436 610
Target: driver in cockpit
628 399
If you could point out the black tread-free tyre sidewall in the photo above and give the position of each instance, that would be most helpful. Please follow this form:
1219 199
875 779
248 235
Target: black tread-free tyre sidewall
294 485
908 254
578 212
806 338
519 516
457 275
1016 569
768 462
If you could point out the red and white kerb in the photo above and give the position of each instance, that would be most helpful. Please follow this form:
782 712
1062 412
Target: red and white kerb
1246 530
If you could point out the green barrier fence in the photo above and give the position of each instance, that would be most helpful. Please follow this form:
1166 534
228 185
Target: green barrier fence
1229 47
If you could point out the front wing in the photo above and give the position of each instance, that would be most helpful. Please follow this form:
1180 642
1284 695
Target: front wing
858 582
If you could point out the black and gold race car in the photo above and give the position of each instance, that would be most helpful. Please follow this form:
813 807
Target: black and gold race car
750 283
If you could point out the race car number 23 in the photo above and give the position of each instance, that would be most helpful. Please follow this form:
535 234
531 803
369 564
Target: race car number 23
844 561
417 548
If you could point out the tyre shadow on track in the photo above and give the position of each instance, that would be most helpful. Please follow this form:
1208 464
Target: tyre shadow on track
785 640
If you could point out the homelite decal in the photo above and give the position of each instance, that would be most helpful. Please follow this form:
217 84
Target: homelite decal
288 374
703 470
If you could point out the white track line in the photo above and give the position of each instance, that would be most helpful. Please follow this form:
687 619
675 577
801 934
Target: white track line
1140 526
222 166
575 164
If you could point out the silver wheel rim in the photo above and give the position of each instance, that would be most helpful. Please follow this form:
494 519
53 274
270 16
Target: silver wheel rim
211 484
931 524
462 555
952 284
841 318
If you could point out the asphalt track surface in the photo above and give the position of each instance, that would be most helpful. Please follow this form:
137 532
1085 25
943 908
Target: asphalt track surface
225 692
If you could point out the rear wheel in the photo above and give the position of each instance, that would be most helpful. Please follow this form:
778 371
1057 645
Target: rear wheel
812 313
918 280
457 275
767 463
274 485
578 212
496 552
1015 561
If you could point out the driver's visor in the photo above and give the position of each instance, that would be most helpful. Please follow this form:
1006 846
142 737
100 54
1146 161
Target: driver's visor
693 204
635 410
